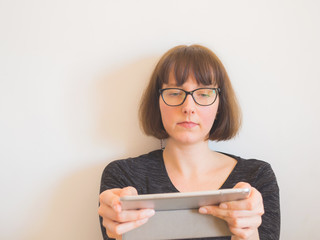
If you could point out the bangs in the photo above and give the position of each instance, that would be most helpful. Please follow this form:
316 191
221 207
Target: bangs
184 61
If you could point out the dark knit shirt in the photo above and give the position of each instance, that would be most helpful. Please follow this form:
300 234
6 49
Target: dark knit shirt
147 173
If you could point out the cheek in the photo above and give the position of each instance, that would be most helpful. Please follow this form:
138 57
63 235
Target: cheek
212 112
166 114
208 116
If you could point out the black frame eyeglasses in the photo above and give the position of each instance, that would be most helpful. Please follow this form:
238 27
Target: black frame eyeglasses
201 96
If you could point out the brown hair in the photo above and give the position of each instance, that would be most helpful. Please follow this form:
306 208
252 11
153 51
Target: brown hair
207 69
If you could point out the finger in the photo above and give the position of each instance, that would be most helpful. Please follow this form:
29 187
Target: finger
128 215
128 191
112 235
248 222
241 233
231 215
124 192
224 213
110 227
237 204
242 185
125 227
106 211
253 202
240 221
111 198
103 210
114 228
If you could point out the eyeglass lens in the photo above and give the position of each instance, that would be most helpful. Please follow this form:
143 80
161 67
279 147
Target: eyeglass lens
202 96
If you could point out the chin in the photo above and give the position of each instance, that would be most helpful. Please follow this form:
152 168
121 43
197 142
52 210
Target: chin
187 139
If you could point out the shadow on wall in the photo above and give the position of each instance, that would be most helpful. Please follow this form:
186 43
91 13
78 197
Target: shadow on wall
117 99
71 212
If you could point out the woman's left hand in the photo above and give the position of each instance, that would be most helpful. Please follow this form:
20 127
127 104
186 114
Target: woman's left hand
243 216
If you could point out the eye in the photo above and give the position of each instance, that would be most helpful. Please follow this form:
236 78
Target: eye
173 93
204 93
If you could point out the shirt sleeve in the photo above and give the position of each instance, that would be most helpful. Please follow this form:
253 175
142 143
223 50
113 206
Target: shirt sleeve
266 184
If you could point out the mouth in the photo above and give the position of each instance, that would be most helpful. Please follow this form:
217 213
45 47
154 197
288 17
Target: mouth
187 124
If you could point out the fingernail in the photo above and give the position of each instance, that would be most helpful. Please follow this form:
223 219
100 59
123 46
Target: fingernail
117 208
223 206
142 221
203 210
148 213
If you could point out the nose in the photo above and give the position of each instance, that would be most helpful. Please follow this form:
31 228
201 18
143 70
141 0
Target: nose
188 107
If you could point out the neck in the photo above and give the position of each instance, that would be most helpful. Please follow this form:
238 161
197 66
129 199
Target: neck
188 159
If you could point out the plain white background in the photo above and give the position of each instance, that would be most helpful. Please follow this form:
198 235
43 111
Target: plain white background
71 76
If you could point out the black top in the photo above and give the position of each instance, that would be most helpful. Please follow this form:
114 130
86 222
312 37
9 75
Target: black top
147 173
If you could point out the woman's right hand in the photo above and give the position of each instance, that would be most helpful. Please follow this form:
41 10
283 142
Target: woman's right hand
118 221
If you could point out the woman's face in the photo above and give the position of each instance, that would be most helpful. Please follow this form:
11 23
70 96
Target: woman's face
188 123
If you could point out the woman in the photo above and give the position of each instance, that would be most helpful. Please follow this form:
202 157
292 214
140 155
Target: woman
190 100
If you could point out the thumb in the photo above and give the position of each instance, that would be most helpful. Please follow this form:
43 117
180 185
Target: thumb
128 191
242 185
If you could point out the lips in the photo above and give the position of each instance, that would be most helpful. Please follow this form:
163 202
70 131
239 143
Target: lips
187 124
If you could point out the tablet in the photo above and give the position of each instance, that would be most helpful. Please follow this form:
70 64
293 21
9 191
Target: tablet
179 201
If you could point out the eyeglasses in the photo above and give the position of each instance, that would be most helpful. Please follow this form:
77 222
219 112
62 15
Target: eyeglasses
201 96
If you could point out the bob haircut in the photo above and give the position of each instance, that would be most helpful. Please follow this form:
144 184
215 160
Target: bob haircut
207 69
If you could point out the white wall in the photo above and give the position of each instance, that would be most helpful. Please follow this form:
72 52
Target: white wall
62 122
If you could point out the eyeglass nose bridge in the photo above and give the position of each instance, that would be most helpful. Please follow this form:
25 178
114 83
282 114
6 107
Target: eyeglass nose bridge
188 93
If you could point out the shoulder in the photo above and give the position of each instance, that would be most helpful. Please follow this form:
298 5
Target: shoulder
135 163
250 165
254 171
131 171
255 167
